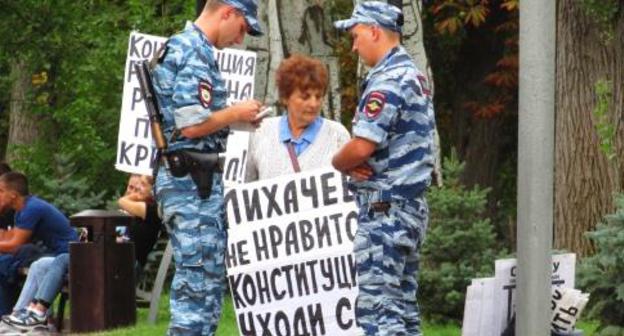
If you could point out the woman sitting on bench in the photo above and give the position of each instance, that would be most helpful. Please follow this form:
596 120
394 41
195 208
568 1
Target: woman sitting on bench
138 201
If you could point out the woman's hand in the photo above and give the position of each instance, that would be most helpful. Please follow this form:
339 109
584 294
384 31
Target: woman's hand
134 204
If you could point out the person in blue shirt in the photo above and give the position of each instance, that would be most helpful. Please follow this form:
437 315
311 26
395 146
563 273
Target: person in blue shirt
192 96
35 220
390 160
300 139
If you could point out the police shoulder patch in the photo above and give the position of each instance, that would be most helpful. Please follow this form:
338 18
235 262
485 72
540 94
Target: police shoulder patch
204 91
374 104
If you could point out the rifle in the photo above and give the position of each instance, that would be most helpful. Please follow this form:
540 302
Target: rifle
200 166
153 110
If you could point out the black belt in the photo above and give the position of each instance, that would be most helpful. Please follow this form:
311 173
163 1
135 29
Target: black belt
376 207
201 167
379 206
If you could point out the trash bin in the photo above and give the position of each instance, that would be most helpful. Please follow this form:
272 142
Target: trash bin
101 274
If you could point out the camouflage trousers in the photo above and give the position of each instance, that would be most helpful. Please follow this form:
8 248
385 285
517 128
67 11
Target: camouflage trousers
198 237
386 249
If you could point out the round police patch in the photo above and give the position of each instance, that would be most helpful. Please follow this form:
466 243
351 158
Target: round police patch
204 91
374 104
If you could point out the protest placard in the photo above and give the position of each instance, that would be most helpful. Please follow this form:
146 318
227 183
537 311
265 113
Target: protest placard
480 307
567 304
289 257
490 302
563 267
135 152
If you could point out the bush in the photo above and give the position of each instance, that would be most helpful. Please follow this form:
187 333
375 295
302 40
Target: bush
77 104
602 274
68 192
459 245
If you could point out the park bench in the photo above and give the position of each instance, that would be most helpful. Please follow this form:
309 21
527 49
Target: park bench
149 293
153 295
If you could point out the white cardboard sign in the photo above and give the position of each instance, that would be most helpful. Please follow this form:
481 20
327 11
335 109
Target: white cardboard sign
135 151
289 256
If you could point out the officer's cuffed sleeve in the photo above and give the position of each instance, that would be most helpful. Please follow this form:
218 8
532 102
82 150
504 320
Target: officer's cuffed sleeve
190 115
375 115
192 92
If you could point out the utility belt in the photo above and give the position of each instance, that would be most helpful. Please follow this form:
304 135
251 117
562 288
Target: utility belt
382 201
201 166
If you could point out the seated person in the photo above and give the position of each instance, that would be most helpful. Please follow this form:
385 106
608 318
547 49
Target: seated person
44 282
302 84
35 219
138 201
46 275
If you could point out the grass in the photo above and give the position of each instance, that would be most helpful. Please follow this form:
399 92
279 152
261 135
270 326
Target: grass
227 326
588 327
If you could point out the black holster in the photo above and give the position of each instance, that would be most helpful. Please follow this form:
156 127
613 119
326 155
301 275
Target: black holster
201 166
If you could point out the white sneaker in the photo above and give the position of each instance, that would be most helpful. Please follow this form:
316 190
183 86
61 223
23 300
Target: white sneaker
30 322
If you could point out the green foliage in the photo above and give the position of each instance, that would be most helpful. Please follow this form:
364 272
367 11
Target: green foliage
227 324
604 13
67 192
602 275
604 126
475 73
459 245
77 49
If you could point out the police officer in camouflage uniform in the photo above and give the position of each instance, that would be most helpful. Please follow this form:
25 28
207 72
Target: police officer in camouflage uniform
390 161
192 97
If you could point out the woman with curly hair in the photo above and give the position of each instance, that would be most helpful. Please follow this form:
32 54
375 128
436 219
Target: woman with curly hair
300 139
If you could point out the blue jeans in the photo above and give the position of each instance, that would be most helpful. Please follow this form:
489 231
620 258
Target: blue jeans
9 264
44 281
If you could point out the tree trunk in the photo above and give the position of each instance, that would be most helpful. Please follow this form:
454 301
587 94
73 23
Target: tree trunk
307 33
413 41
413 38
483 154
23 125
585 180
487 144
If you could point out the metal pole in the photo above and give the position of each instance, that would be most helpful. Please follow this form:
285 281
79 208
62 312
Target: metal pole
535 166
